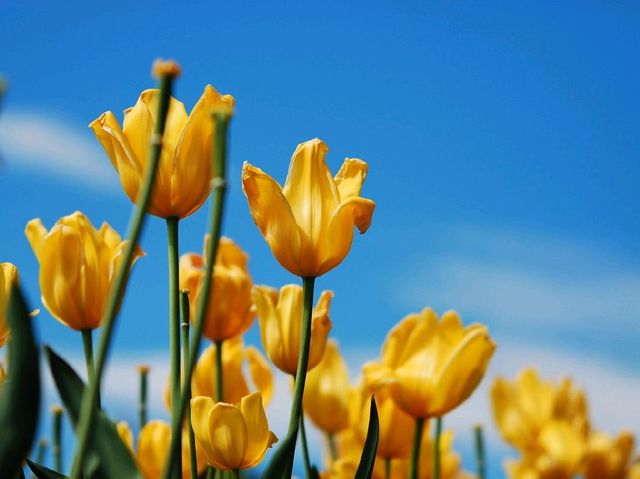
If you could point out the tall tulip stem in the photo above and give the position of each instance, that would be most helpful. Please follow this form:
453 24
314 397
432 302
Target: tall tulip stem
435 474
184 325
415 453
57 438
42 450
174 330
480 452
387 468
116 292
143 372
333 448
218 189
305 448
87 343
218 378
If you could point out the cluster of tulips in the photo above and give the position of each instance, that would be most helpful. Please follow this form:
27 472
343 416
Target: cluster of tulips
388 424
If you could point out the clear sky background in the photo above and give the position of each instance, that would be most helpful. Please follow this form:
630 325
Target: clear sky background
502 142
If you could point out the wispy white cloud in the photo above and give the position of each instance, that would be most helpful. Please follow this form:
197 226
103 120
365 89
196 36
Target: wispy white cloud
43 143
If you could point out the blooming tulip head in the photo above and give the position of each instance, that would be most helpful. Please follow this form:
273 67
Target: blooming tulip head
431 366
279 317
230 311
308 223
327 391
8 277
183 180
232 436
77 266
608 458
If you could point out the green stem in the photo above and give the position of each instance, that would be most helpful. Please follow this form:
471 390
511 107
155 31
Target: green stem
480 452
218 371
184 307
387 468
236 474
42 450
142 401
87 343
116 292
211 473
333 448
174 331
305 448
218 190
415 453
436 449
57 438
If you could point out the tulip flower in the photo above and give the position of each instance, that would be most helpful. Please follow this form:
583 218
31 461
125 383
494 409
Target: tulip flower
279 317
230 311
232 436
431 366
8 276
308 223
77 266
184 174
153 447
608 458
523 407
326 399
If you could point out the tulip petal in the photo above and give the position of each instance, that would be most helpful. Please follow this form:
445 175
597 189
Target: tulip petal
350 177
201 406
257 428
289 314
273 216
35 232
228 436
153 445
260 373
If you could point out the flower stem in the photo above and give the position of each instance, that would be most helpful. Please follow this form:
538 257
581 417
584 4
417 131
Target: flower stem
42 450
116 292
435 474
57 438
142 400
218 190
184 307
333 448
480 452
236 474
173 223
415 454
387 468
305 448
87 343
218 378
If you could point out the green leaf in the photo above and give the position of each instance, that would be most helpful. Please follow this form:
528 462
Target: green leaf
368 457
20 394
116 461
282 459
42 472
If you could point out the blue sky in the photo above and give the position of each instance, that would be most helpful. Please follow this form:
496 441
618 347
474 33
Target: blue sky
502 147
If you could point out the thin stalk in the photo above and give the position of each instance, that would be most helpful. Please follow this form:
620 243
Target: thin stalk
480 452
415 453
387 468
87 343
142 399
174 331
218 371
116 292
305 448
184 308
435 474
333 448
236 474
218 189
57 438
211 473
42 450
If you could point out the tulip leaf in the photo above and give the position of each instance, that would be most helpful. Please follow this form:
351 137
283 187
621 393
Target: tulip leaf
115 457
20 394
42 472
368 457
282 459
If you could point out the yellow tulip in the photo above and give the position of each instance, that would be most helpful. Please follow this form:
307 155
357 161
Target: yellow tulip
431 366
522 408
279 318
8 277
608 458
327 391
77 266
308 223
184 174
153 446
234 356
232 436
230 311
3 376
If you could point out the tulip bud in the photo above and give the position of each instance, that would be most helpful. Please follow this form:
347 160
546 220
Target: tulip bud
8 276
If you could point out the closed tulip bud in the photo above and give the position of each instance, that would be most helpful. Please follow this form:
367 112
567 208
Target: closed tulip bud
8 277
308 223
279 317
327 391
184 175
431 366
124 431
232 436
77 266
522 408
230 312
608 458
